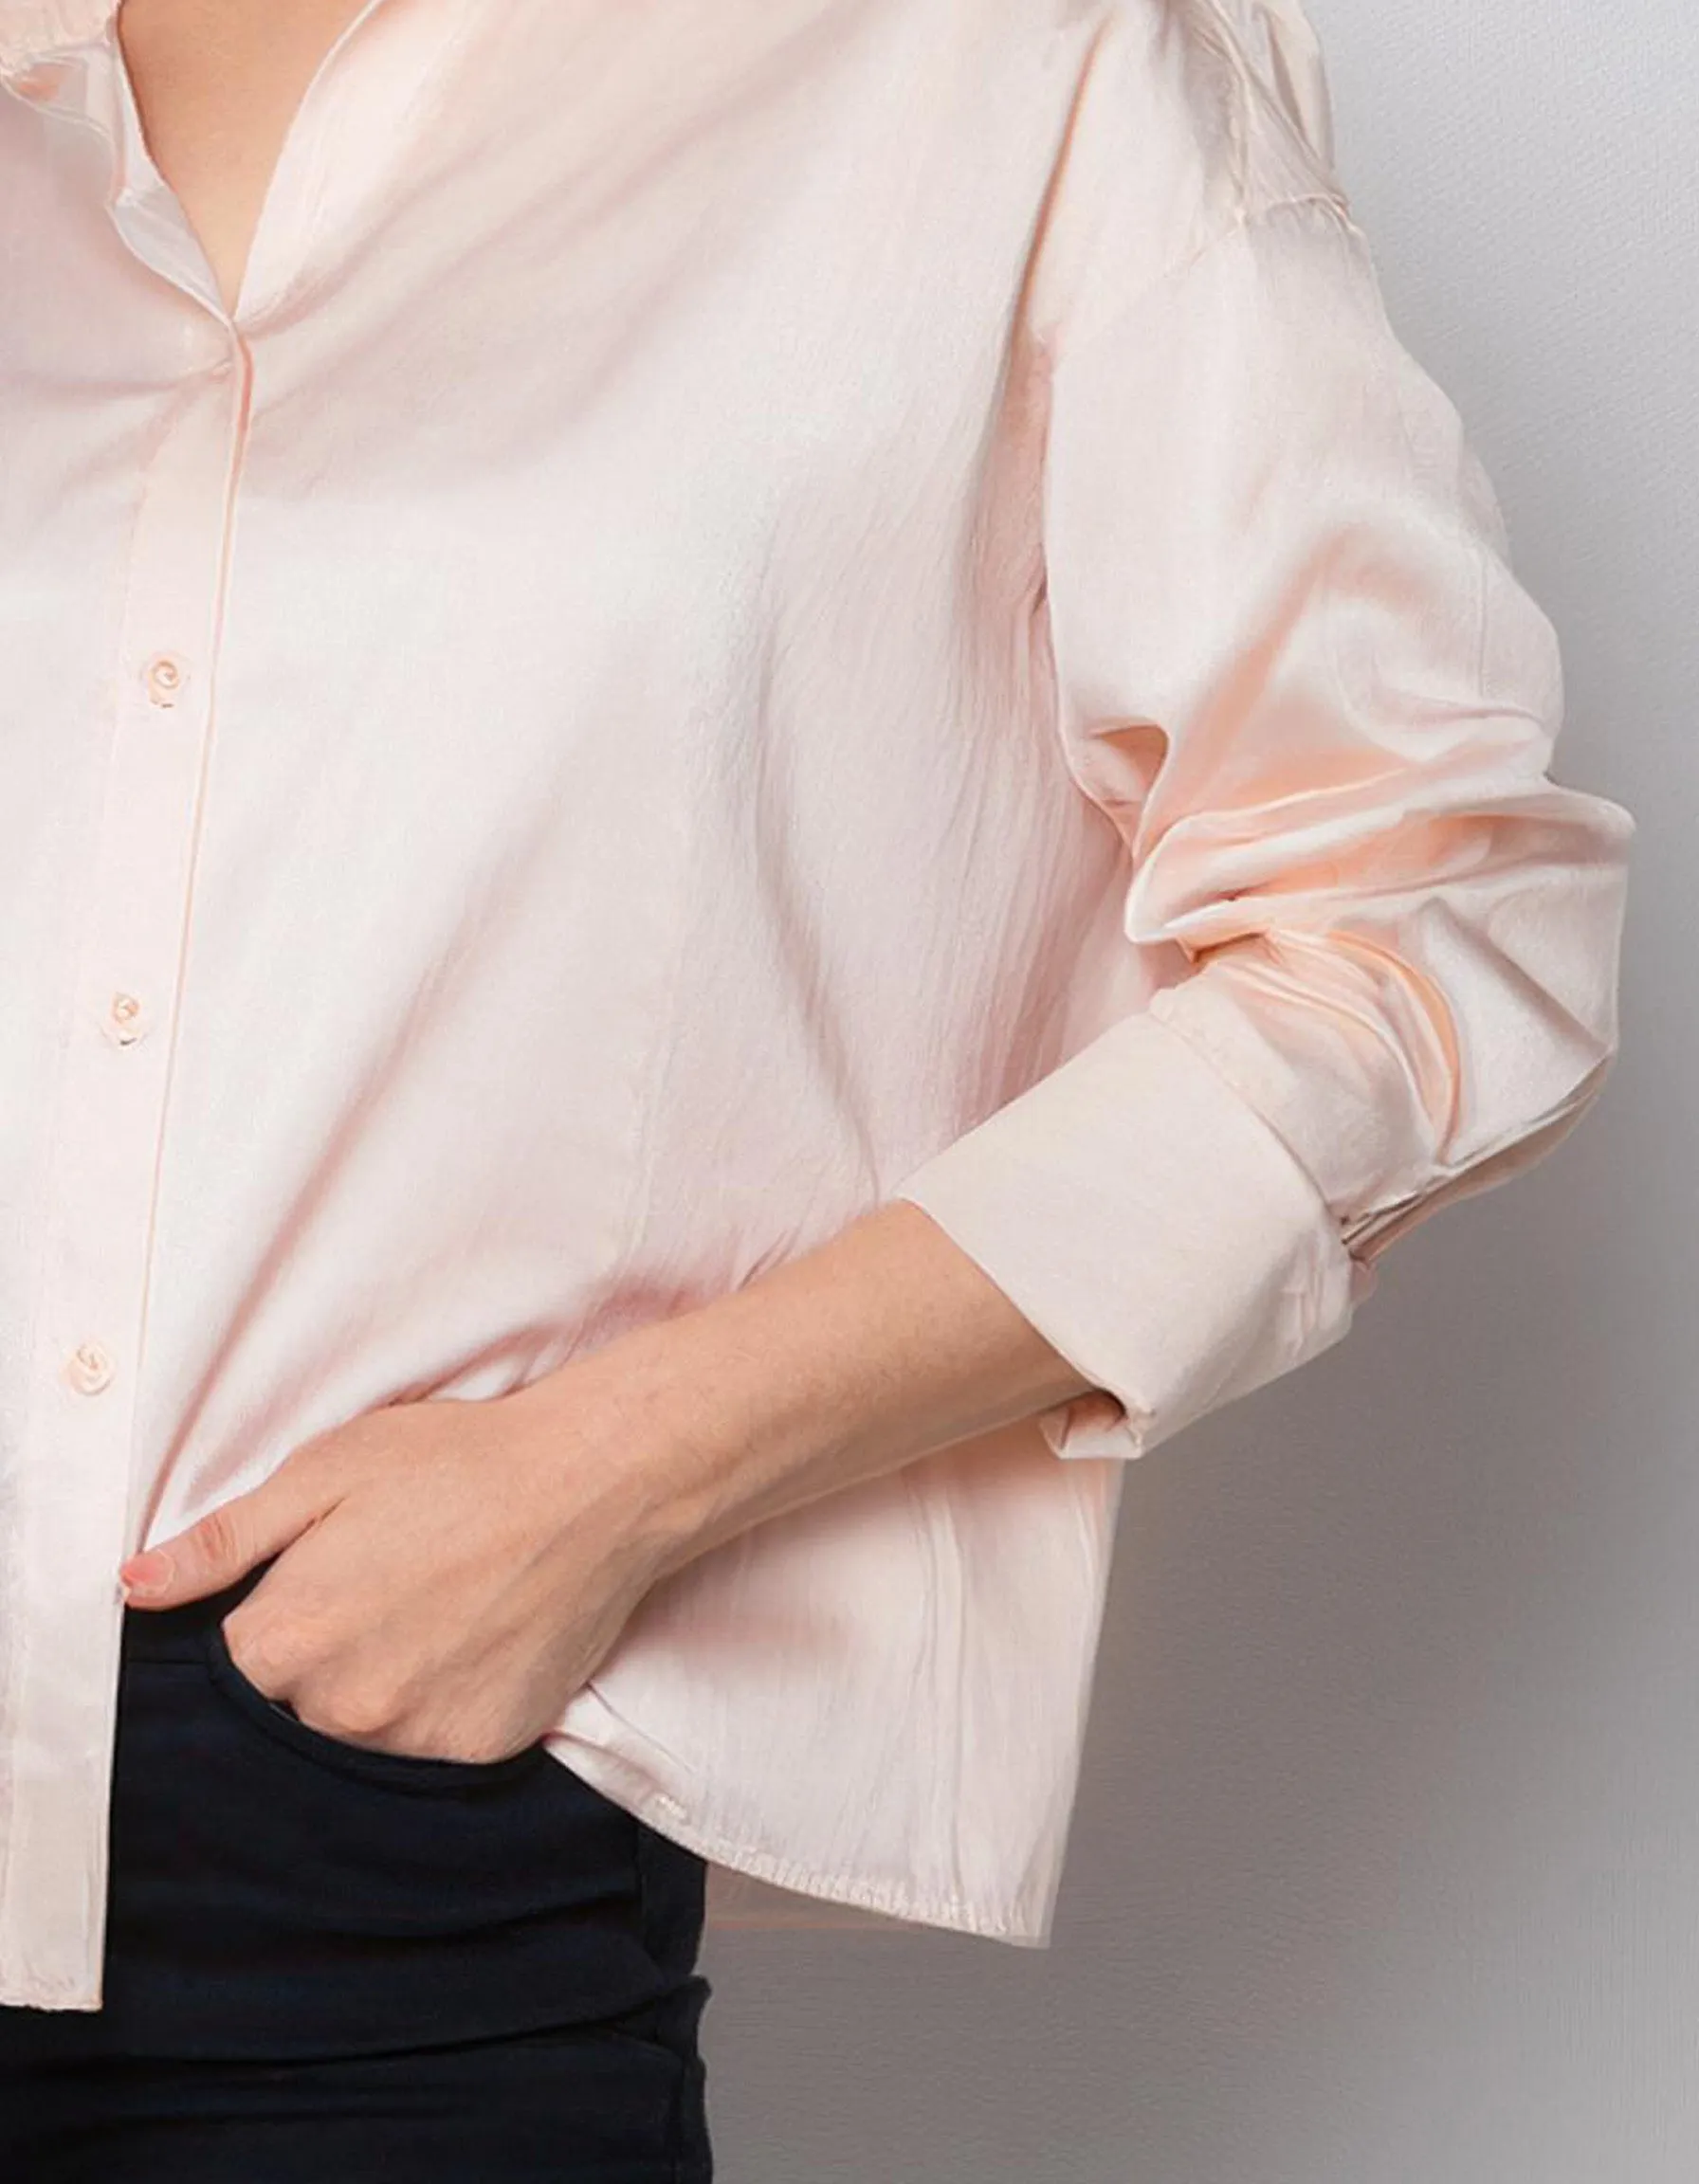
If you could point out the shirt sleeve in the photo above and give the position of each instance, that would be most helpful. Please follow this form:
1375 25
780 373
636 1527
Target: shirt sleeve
1296 671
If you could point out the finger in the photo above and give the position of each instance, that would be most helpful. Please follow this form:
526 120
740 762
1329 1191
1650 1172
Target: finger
219 1547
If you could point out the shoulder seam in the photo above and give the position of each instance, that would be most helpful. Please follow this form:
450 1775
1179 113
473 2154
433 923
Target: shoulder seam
1224 39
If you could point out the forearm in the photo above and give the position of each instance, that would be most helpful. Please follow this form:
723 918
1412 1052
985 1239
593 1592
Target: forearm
850 1360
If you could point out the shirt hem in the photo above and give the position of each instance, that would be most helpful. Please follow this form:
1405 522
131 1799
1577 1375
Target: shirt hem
668 1817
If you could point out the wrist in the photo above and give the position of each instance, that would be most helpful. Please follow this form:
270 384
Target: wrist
716 1415
666 1414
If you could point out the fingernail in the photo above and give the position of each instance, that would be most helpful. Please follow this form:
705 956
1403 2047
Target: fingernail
145 1575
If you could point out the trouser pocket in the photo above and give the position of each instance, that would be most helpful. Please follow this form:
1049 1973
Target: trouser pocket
278 1892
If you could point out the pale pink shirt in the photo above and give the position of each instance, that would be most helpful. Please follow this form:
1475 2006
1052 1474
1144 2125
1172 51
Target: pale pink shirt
762 607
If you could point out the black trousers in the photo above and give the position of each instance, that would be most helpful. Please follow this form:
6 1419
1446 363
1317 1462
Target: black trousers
346 1965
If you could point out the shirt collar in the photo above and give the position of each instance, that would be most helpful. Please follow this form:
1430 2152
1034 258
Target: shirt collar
32 29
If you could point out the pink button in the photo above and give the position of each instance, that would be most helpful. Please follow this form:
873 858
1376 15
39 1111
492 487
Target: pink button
126 1020
88 1368
163 678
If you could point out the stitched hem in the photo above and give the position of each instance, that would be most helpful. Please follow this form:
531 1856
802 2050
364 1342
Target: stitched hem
669 1818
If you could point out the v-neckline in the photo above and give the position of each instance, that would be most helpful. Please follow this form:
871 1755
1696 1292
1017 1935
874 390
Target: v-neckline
293 145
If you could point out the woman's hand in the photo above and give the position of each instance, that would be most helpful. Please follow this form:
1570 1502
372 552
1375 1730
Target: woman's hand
449 1572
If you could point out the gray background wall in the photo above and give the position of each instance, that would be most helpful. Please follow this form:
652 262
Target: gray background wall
1385 1869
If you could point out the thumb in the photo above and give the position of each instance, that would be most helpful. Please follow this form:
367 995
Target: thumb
219 1547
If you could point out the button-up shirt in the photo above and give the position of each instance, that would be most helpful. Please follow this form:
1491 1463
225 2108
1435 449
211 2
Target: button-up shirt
756 609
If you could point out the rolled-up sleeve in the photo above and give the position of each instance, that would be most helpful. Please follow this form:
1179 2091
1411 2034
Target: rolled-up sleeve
1294 667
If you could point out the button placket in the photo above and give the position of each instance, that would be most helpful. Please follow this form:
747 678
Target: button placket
76 1490
77 1500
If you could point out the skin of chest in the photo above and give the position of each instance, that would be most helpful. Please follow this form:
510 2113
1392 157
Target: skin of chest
217 83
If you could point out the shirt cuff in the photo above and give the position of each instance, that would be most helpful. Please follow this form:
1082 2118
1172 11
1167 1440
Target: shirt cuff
1154 1228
